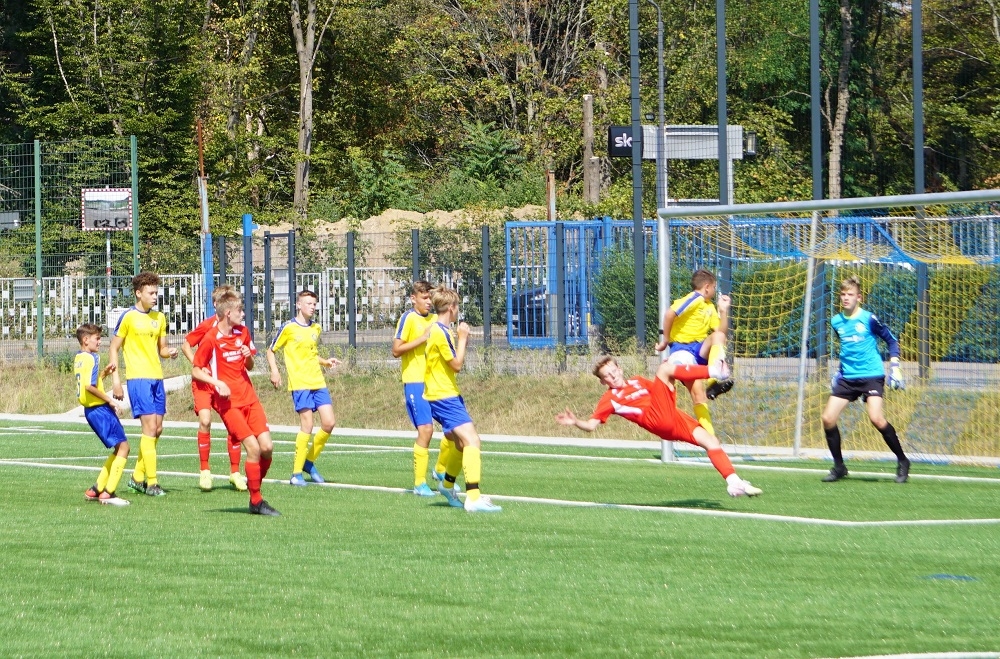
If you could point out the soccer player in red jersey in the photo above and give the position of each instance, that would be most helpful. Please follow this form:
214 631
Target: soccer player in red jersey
221 361
652 405
202 394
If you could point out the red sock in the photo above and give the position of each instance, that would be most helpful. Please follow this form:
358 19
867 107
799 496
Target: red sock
235 450
721 462
204 448
253 481
691 373
265 465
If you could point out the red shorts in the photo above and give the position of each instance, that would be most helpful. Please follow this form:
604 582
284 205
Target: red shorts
242 422
202 399
664 420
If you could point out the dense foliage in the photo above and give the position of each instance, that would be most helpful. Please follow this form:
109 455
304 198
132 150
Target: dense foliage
420 104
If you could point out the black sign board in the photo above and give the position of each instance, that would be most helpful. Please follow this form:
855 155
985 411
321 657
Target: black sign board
620 142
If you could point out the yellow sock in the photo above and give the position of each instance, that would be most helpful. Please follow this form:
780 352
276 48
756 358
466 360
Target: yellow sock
102 478
472 463
117 469
454 462
301 450
147 445
704 417
716 353
443 454
421 456
319 441
139 473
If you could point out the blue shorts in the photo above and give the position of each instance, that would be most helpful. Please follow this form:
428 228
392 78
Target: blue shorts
104 421
311 399
416 406
450 413
147 396
693 348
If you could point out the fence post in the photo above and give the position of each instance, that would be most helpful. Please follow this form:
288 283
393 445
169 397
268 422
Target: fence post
291 274
821 315
352 303
248 301
222 261
39 297
923 320
267 286
560 306
133 146
415 253
487 290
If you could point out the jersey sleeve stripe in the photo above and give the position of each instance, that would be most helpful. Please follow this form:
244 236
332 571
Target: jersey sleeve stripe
121 318
402 323
447 336
690 299
93 371
277 335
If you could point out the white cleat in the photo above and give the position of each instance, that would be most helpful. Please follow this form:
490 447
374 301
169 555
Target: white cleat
481 505
112 500
719 370
205 480
743 489
238 481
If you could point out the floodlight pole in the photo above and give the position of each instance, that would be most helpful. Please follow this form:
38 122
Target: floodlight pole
638 247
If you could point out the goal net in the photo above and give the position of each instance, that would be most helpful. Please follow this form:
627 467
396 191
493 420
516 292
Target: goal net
929 269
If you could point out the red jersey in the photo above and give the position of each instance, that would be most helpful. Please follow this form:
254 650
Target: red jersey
650 404
220 354
194 339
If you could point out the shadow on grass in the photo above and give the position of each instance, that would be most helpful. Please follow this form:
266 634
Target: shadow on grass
242 510
708 504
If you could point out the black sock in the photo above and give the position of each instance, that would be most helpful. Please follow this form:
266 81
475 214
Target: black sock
892 440
833 441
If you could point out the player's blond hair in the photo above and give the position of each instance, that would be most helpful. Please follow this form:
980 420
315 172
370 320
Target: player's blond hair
228 302
852 282
85 330
442 298
420 287
225 289
701 278
601 363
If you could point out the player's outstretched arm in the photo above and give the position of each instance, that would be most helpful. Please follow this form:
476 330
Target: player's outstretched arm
165 350
188 351
567 418
201 375
329 362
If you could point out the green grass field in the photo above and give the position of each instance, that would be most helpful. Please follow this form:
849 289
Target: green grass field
669 565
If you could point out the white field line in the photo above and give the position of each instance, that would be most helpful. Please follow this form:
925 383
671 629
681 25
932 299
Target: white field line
690 462
932 655
731 514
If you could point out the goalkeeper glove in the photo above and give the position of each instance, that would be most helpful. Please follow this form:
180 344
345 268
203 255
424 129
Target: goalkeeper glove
895 374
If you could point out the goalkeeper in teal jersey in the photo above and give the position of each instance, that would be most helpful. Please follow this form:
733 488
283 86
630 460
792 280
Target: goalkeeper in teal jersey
861 375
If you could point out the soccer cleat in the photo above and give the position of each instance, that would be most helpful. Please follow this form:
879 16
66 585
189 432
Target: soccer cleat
91 494
902 470
297 480
838 472
424 490
481 505
138 486
205 480
310 469
155 490
719 370
718 388
439 477
743 489
449 495
263 508
239 481
111 499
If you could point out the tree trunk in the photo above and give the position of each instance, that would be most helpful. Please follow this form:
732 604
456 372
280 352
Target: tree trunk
305 36
838 123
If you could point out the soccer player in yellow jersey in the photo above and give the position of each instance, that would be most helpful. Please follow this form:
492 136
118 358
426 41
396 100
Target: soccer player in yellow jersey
412 331
99 409
141 334
445 354
696 334
299 340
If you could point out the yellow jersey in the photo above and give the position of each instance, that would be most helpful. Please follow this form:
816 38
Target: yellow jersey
696 319
412 326
440 380
300 344
142 331
87 368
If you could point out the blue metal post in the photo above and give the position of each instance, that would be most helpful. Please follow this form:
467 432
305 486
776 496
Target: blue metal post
248 301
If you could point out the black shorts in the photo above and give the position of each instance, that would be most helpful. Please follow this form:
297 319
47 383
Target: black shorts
862 388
